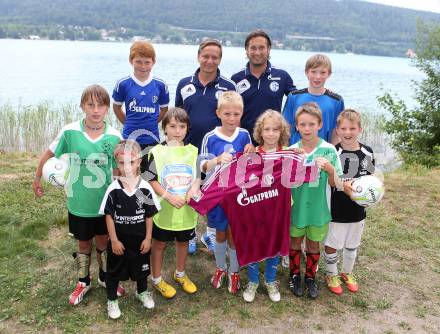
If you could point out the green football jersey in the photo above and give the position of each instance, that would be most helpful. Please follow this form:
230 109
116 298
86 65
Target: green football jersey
311 201
91 164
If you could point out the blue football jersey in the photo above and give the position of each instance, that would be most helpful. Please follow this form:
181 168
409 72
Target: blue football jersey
142 101
200 102
331 105
215 143
260 94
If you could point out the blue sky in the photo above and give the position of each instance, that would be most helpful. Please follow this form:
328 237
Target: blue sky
426 5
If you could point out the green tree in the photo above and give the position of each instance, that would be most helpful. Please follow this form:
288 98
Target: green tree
416 132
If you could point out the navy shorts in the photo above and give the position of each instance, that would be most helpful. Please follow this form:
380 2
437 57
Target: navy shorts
163 235
85 228
217 219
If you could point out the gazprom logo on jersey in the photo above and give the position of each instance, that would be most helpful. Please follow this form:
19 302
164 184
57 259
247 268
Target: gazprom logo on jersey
177 179
244 200
133 107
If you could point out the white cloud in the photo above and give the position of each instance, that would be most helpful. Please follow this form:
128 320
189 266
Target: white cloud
425 5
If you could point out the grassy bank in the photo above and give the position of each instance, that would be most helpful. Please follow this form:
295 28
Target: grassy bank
398 269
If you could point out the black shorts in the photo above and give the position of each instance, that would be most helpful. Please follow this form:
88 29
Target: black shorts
166 235
85 228
131 265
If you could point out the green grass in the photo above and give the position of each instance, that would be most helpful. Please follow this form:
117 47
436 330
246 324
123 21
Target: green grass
397 269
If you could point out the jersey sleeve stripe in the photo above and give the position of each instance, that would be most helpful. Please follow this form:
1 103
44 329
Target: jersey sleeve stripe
118 83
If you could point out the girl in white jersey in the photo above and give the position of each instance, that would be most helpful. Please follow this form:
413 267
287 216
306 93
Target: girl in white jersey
89 143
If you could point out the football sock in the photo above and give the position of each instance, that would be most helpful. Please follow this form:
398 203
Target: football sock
156 280
253 272
112 288
141 285
82 264
348 259
101 275
270 270
101 257
220 254
294 261
331 261
180 274
85 279
312 264
234 267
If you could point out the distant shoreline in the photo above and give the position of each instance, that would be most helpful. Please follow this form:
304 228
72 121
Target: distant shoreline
274 47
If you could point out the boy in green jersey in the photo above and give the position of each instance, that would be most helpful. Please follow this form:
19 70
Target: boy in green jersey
89 143
311 211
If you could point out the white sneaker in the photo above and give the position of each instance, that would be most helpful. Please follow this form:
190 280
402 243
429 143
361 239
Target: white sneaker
146 299
273 291
113 309
285 262
249 293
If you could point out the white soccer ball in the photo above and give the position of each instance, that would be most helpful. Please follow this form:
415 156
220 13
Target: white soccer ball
56 171
368 190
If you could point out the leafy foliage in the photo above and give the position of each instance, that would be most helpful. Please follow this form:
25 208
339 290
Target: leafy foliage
416 132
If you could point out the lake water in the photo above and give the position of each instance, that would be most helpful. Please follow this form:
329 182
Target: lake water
36 71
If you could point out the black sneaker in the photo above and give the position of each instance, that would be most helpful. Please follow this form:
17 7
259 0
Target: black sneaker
295 285
312 288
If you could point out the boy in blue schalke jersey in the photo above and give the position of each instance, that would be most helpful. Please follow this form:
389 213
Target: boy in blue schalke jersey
144 97
318 69
218 147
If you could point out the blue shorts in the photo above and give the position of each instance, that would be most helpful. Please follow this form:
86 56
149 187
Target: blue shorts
217 219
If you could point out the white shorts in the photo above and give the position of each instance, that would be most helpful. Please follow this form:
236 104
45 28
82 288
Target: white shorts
344 235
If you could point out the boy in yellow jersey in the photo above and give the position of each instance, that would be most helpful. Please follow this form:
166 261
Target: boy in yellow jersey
174 168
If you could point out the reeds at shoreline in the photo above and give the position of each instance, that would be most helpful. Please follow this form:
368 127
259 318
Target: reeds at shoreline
32 128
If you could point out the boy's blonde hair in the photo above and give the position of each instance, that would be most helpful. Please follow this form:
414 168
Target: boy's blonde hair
350 115
277 117
127 146
230 98
319 60
142 49
310 108
97 93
